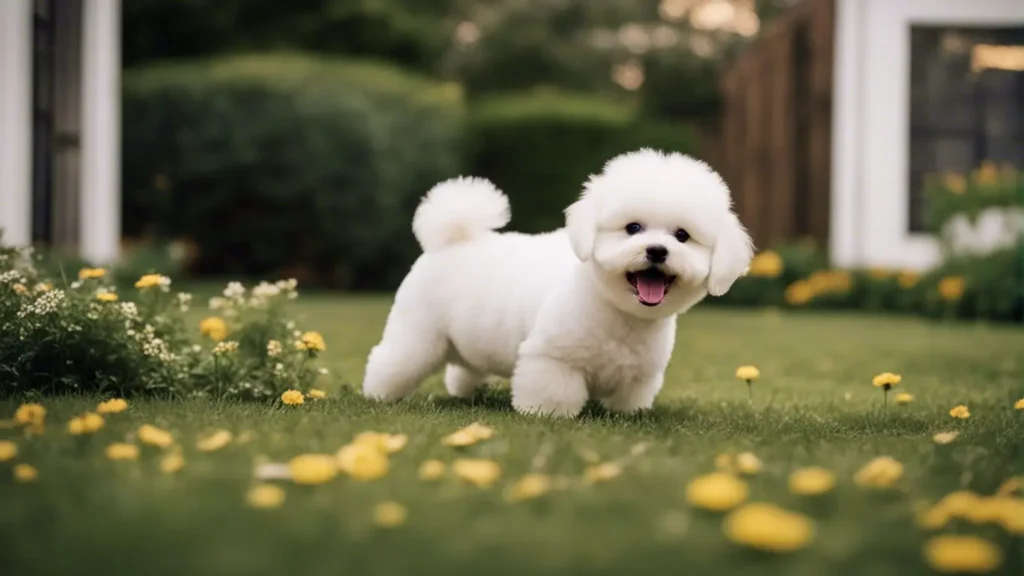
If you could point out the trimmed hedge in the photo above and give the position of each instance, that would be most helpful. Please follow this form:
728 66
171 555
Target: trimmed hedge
540 147
287 163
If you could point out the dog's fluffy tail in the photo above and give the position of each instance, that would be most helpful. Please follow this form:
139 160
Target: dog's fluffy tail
459 210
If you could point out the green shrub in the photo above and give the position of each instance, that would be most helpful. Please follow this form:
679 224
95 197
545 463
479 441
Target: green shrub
540 147
287 164
84 335
989 287
985 187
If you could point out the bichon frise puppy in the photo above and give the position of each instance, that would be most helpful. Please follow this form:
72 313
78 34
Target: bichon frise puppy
585 311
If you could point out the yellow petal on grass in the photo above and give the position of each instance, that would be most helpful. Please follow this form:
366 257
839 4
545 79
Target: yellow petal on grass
903 398
1019 404
214 441
961 554
8 450
362 461
245 437
123 451
312 468
265 496
477 471
768 527
880 473
1012 517
112 406
431 470
25 473
1011 486
811 481
30 413
469 435
387 443
748 463
149 434
717 491
389 514
172 462
85 424
932 518
602 472
528 487
945 437
316 394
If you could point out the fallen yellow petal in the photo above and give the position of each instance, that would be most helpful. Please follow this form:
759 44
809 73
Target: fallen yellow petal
25 473
477 471
8 450
528 487
112 406
471 434
768 527
748 463
811 481
122 451
388 443
389 514
717 491
172 462
945 437
149 434
312 468
214 441
362 461
265 496
316 394
602 472
957 553
431 470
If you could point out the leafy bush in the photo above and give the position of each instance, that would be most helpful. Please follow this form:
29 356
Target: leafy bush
990 288
85 336
540 148
286 164
988 186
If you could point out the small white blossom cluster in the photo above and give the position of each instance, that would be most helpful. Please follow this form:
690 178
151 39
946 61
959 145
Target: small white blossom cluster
274 348
45 304
11 277
156 347
224 347
129 310
184 301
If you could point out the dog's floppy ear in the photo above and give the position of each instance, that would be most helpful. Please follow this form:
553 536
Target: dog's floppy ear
731 257
581 224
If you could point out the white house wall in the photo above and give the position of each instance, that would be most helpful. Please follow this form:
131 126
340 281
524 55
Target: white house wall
16 121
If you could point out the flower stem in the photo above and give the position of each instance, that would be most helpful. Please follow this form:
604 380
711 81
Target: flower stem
885 395
750 391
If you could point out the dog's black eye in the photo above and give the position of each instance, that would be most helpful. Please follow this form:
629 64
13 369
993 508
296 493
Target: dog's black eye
682 235
633 228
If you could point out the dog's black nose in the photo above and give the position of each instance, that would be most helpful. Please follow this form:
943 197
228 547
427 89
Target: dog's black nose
657 253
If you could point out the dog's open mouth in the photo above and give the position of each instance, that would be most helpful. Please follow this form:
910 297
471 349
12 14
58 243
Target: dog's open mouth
650 285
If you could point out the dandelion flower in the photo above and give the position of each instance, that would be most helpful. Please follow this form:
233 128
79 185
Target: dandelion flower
602 472
717 491
811 481
482 473
1012 517
123 451
30 414
468 435
316 394
767 264
960 412
431 470
389 514
292 397
886 381
8 450
768 527
214 441
748 463
907 279
387 443
903 398
214 327
1019 404
265 496
311 342
85 424
149 434
106 296
312 468
362 461
528 487
87 273
962 554
880 473
951 288
153 281
945 437
748 374
172 462
25 473
112 406
932 518
959 503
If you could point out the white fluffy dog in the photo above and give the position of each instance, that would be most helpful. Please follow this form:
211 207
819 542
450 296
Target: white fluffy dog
585 311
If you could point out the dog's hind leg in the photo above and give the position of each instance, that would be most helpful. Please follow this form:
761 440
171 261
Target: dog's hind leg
403 358
462 382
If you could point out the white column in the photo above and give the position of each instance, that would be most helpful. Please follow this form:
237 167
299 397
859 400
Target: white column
100 212
16 121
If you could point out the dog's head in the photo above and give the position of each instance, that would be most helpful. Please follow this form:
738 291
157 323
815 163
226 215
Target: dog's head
658 231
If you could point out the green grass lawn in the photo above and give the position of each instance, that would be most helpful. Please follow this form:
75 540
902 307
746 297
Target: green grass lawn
814 405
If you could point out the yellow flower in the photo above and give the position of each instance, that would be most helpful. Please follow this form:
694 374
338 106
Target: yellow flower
30 414
312 468
904 398
25 473
945 437
767 264
87 273
362 461
482 473
106 296
311 342
987 510
879 273
908 279
44 287
882 472
85 424
8 450
112 406
1012 517
152 281
387 443
932 517
748 463
960 412
214 327
528 487
1010 486
389 514
1019 404
431 470
886 380
471 434
123 451
214 441
265 496
149 434
748 373
986 174
951 553
830 281
767 527
316 394
717 491
955 183
799 293
602 472
951 288
292 397
959 503
811 481
172 462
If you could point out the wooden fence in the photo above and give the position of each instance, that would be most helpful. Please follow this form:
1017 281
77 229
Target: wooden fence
776 127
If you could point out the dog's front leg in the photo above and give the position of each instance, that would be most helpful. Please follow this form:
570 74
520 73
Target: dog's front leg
636 397
545 386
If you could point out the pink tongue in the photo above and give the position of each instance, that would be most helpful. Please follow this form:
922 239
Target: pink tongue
650 290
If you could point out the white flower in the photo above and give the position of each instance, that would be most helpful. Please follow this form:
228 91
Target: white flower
289 325
322 371
184 300
197 348
129 310
46 303
11 277
273 348
265 290
278 367
76 284
216 303
234 291
224 347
